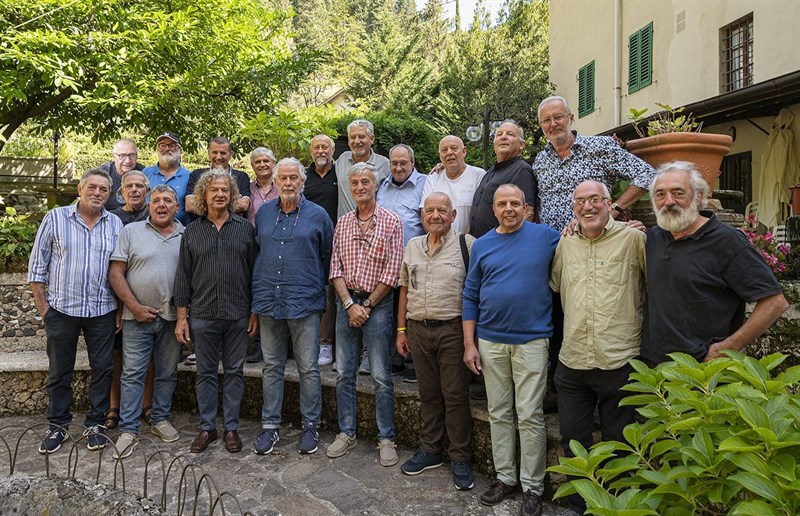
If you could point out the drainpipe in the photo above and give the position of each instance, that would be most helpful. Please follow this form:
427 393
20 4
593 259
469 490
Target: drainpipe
617 63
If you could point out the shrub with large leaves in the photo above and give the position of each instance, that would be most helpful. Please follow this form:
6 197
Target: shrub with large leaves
721 437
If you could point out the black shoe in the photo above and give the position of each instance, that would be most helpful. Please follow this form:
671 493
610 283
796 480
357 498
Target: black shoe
462 475
52 440
531 504
254 357
410 376
550 403
497 492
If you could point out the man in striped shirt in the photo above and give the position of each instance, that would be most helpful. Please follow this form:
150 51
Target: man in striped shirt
365 267
68 273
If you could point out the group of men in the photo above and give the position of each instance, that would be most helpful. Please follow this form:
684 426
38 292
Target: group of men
447 267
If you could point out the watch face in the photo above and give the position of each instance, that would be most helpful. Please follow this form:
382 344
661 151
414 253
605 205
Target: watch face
367 304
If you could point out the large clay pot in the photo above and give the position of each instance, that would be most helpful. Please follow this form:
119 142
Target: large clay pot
794 199
705 150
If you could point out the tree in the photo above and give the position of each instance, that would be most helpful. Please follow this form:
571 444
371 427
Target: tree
198 67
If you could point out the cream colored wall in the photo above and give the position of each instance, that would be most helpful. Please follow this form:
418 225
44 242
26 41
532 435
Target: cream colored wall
685 65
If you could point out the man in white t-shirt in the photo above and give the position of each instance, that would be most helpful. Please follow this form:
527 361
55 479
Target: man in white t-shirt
458 181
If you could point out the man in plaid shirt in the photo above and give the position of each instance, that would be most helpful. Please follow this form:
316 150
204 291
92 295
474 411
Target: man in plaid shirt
365 266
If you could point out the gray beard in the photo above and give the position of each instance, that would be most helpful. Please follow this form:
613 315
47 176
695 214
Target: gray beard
169 161
678 220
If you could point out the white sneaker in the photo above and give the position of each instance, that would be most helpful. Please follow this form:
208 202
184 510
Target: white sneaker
165 431
191 360
325 353
126 443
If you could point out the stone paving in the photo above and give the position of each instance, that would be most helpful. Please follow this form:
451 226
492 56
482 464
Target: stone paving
283 482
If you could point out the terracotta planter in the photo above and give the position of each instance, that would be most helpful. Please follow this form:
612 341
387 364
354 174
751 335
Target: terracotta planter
794 196
703 149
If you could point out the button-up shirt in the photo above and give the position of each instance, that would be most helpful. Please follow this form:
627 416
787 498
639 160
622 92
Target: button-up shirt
294 254
343 166
73 261
592 157
404 200
366 259
434 282
260 196
178 181
602 286
214 274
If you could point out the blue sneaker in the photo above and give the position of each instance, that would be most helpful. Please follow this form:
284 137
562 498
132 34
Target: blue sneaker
462 475
420 462
52 440
266 440
309 438
96 437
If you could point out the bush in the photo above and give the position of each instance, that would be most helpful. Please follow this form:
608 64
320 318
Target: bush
17 234
721 437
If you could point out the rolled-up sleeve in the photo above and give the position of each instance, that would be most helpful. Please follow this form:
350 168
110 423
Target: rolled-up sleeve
394 252
39 261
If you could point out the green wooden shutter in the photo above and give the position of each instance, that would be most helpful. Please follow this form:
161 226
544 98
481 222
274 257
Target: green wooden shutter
586 90
633 62
640 58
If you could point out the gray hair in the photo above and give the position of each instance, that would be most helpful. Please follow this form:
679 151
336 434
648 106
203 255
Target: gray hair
262 151
361 168
220 140
205 181
402 146
326 137
553 98
521 130
124 140
164 188
700 189
363 123
291 162
440 195
603 187
95 172
134 172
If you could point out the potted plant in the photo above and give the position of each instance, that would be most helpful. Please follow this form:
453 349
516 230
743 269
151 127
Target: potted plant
671 135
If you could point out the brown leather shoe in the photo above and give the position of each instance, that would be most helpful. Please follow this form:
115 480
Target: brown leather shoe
203 439
497 492
232 441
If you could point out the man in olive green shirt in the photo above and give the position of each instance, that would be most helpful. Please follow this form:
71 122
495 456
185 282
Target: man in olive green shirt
600 274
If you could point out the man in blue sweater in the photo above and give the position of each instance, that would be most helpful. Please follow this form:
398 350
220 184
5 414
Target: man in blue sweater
507 307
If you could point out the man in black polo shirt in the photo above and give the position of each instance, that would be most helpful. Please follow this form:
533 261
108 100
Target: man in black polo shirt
219 155
510 168
700 275
322 188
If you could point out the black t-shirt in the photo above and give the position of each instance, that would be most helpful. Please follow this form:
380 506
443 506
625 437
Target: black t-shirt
115 199
131 216
323 190
515 171
698 286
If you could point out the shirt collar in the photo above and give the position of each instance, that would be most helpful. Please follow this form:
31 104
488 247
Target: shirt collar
612 226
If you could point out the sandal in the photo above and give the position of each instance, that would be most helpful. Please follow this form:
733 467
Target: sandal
112 418
147 414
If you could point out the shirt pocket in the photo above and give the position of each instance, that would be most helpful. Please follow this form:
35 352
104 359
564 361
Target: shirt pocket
378 252
612 271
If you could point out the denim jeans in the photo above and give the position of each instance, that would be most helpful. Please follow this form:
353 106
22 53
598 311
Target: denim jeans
516 377
62 345
276 334
140 342
375 334
212 338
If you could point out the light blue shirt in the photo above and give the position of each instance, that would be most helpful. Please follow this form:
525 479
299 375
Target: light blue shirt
177 181
404 200
73 261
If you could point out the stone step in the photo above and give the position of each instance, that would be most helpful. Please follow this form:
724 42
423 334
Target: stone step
23 376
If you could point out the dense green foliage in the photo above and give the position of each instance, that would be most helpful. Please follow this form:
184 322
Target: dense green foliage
721 437
17 234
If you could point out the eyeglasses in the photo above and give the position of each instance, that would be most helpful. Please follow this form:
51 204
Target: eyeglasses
170 146
557 119
594 200
124 157
403 163
279 231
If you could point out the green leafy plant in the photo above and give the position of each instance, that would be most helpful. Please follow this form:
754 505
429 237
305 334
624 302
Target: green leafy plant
17 234
670 120
721 437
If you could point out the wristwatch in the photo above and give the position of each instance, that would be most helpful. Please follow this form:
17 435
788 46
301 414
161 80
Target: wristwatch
619 209
368 304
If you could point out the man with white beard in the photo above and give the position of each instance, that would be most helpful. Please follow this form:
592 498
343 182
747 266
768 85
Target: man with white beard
700 275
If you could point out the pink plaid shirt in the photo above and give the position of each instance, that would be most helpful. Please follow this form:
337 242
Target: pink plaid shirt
366 260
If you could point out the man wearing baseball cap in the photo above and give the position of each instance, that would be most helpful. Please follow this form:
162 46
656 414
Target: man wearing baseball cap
169 171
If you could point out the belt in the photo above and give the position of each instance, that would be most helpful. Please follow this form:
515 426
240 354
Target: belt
435 322
359 294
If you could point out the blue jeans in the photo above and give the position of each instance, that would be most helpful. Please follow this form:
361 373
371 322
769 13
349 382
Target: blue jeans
62 344
140 342
276 334
375 334
212 338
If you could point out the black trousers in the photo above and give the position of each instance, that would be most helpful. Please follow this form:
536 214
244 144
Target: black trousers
62 344
579 392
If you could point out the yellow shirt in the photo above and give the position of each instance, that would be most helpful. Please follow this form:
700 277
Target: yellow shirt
602 284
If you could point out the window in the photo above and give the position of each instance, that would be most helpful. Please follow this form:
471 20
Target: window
736 55
586 90
640 58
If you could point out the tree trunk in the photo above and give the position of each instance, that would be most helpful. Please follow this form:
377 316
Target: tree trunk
11 119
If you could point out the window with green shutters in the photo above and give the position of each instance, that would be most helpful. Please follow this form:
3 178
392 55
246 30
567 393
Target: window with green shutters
586 90
640 58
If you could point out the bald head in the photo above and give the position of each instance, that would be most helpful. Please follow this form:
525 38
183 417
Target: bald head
438 214
452 154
